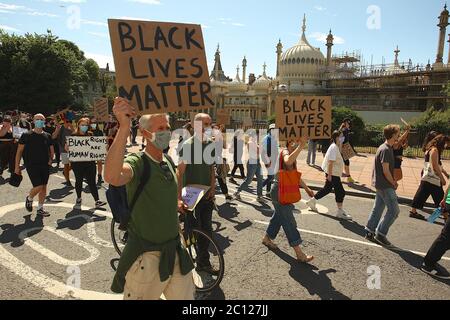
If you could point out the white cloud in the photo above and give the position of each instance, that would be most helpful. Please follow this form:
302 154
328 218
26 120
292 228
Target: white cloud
12 8
8 28
320 8
228 21
99 34
101 60
94 23
322 37
151 2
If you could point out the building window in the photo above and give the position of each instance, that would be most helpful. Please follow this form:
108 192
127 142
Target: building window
303 60
308 60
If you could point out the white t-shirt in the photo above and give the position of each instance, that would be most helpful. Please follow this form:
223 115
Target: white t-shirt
334 154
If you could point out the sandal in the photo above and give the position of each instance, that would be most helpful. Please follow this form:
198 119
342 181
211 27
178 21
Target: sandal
416 215
305 259
270 245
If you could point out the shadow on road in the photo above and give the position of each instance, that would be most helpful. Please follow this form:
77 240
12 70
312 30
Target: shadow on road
310 277
351 226
228 212
59 194
76 219
3 180
16 234
216 295
414 260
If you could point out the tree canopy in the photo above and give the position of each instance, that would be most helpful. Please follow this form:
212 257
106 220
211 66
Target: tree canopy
41 73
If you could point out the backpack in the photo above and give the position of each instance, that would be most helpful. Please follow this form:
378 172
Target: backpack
118 199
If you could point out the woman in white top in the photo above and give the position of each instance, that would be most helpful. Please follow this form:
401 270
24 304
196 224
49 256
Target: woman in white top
333 166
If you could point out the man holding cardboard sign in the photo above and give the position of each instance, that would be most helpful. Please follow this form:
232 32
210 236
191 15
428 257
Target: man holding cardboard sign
302 116
160 67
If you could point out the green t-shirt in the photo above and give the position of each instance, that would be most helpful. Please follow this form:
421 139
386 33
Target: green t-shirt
448 197
155 216
198 166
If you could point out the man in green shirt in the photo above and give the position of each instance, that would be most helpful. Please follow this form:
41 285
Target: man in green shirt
196 167
154 261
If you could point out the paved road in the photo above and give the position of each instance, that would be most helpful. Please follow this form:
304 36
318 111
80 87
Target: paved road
37 257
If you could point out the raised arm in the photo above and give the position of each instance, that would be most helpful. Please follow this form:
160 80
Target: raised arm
290 159
116 173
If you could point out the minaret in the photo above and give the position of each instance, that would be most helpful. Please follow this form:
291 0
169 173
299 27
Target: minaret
217 73
244 69
279 53
443 24
396 57
330 39
449 50
264 70
237 75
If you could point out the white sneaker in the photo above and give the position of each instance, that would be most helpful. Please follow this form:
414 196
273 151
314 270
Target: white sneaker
78 204
341 214
311 203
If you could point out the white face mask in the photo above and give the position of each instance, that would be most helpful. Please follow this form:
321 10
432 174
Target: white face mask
208 133
341 140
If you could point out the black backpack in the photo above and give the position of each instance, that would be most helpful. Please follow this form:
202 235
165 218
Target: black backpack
118 200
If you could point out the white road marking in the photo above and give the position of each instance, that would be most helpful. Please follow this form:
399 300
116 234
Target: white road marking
40 280
93 252
369 244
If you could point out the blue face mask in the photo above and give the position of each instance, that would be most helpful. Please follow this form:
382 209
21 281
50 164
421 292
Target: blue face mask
84 129
94 126
39 124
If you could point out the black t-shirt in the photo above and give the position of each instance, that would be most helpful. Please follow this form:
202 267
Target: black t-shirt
50 131
97 133
37 148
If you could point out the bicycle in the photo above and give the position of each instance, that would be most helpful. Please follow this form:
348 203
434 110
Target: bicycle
204 282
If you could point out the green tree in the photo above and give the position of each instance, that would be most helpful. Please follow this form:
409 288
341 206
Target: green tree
41 73
432 120
339 114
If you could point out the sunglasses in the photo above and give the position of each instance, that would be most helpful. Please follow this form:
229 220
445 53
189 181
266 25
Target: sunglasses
167 172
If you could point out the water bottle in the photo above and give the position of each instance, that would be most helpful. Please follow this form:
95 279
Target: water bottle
436 214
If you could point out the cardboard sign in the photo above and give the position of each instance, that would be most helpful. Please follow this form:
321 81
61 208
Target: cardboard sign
223 117
192 195
61 116
303 116
160 67
87 148
101 110
18 132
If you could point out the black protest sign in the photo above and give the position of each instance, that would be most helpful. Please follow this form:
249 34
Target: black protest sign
303 116
160 67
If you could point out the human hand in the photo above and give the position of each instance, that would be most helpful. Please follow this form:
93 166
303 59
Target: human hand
123 112
211 194
182 207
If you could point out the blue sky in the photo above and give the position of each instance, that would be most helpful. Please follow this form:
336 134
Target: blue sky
246 27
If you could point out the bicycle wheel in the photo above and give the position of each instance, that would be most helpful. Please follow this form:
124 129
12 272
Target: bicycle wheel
118 237
205 281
